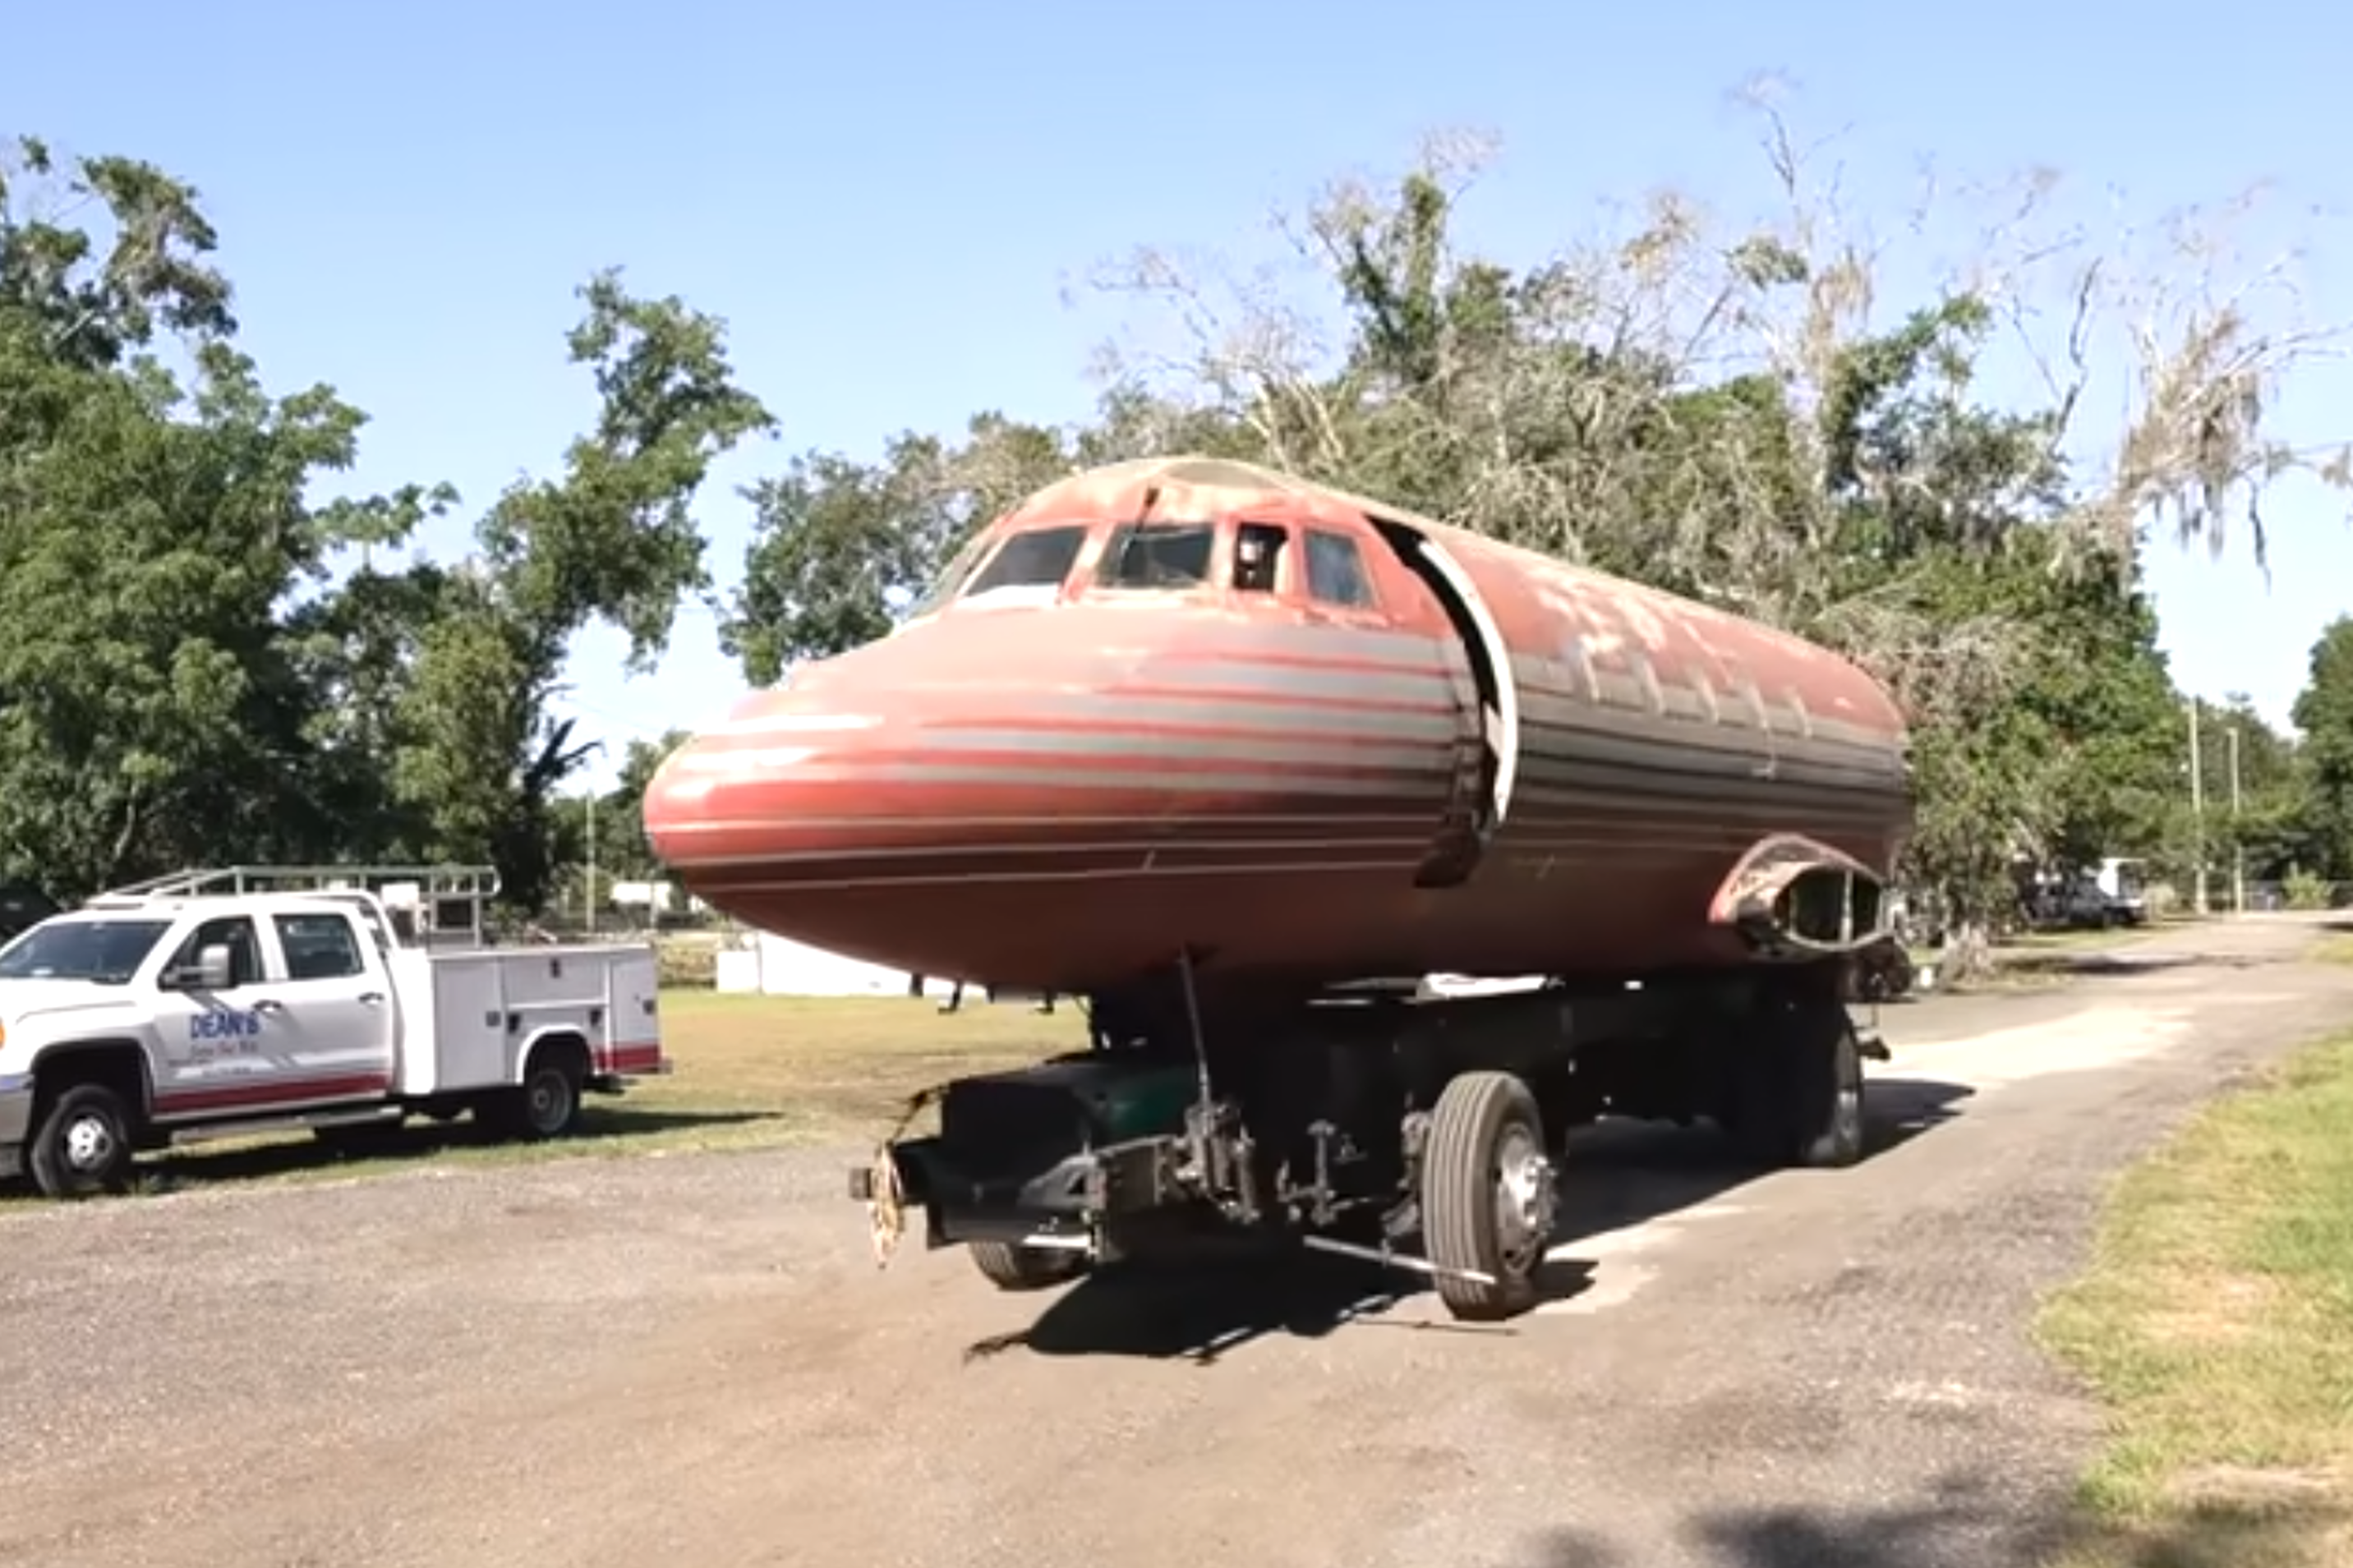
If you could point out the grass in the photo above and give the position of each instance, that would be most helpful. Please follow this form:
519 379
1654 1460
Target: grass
2336 947
748 1072
2216 1323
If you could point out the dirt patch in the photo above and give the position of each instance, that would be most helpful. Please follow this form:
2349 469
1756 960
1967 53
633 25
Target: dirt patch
2216 1311
2243 1488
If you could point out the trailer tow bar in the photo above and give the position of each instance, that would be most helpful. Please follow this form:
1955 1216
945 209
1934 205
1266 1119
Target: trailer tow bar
1388 1260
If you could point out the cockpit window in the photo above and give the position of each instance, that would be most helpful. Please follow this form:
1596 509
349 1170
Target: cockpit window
951 577
1258 556
1157 555
1336 571
1040 558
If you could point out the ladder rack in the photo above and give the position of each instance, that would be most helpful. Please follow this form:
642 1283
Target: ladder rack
452 900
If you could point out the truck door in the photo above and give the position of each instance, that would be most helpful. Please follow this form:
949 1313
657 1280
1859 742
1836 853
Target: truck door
211 1054
332 1025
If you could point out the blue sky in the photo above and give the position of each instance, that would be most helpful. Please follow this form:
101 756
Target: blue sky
885 200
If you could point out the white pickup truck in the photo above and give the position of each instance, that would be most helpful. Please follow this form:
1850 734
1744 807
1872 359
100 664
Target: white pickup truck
221 1003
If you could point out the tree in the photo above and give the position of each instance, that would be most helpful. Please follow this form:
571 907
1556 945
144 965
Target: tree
605 831
621 822
2269 831
1735 412
477 756
842 550
181 679
151 524
839 551
2323 714
1711 410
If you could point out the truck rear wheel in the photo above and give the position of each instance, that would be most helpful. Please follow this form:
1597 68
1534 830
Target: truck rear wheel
81 1144
1009 1265
1486 1195
1828 1120
546 1104
1797 1098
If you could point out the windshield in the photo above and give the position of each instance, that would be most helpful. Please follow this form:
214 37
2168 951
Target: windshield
104 951
1038 560
1157 555
952 575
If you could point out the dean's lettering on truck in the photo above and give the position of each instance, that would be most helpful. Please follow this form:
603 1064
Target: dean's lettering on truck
225 1023
224 1032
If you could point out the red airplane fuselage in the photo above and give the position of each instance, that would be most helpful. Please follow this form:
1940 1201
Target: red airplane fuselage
1191 703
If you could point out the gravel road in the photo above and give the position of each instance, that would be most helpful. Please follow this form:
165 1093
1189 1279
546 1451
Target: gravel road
630 1361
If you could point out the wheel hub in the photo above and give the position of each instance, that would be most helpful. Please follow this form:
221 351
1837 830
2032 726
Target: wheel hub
1524 1196
1848 1109
89 1143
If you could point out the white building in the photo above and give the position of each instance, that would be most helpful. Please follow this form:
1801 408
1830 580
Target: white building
778 966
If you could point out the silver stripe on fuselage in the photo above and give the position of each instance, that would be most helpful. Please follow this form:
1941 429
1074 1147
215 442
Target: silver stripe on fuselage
1292 682
1586 689
1432 757
1268 781
1412 842
1306 717
1346 645
1265 870
1598 764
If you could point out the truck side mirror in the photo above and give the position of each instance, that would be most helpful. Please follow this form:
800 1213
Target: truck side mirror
213 968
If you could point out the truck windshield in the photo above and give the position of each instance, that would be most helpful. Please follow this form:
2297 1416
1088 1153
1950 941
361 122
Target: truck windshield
106 952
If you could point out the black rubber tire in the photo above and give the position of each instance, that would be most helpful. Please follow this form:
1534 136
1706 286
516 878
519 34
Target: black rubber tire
1799 1092
1009 1265
1458 1172
50 1158
1827 1093
546 1105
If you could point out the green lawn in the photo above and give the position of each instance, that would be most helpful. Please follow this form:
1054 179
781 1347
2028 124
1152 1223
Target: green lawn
2216 1323
2336 947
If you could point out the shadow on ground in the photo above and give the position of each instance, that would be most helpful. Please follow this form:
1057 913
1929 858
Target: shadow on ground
1616 1174
2071 964
196 1166
1973 1519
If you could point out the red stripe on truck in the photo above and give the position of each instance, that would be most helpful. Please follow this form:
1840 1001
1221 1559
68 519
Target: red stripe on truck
641 1056
244 1096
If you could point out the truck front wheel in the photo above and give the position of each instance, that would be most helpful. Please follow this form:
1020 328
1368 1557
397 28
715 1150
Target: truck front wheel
1486 1196
81 1144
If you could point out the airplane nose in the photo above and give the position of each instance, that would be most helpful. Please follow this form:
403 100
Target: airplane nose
867 758
1029 805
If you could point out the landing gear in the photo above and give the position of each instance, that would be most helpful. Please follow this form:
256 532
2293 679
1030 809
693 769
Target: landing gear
1487 1204
1417 1135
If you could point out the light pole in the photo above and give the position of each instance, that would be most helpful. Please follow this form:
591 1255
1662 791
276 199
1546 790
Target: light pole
2238 846
2197 812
